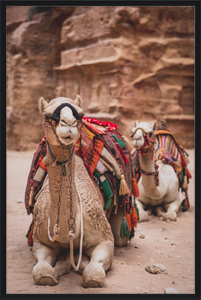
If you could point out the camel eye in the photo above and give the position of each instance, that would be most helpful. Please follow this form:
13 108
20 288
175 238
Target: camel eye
150 134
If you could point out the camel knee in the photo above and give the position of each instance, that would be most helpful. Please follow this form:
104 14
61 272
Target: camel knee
143 215
173 206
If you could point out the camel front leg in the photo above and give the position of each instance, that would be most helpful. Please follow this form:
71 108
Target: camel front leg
84 262
43 272
171 210
101 260
143 215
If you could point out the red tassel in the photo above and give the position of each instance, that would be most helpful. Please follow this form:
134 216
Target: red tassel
30 238
187 203
134 217
183 161
128 219
189 174
135 189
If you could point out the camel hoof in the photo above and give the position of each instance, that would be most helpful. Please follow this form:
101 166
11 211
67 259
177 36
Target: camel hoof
44 274
92 284
172 216
45 281
143 216
93 275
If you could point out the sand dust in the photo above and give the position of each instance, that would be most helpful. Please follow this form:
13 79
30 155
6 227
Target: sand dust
169 244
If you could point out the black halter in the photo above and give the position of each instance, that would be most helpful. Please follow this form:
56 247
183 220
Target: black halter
56 114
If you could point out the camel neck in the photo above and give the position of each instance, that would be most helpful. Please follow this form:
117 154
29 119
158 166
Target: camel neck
146 161
147 164
63 205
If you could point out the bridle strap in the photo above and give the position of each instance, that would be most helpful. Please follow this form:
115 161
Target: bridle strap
155 173
56 114
144 132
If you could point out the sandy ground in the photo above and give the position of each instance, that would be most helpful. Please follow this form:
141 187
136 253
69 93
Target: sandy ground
170 244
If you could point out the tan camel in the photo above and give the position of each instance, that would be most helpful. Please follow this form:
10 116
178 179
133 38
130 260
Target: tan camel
68 213
163 197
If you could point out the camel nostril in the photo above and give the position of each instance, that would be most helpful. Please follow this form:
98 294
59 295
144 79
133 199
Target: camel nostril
63 123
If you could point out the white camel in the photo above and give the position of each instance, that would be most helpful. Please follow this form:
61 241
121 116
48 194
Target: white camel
68 214
163 197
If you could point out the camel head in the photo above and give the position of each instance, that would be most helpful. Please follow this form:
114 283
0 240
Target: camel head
61 119
142 133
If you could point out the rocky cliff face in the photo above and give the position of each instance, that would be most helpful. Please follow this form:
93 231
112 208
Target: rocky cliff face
127 63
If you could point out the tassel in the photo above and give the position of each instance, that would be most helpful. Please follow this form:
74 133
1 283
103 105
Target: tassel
189 174
124 231
183 205
137 211
128 219
186 159
135 189
29 235
31 196
128 143
123 189
183 161
185 183
134 217
108 203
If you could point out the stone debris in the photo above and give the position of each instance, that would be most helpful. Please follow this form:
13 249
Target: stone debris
142 236
19 201
11 248
164 228
170 291
156 269
173 243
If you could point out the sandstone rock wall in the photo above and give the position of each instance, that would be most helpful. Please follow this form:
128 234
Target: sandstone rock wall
127 63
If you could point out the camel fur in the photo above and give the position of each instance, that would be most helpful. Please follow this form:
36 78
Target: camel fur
164 198
64 197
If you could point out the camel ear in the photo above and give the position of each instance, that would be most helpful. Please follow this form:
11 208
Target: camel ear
154 125
136 123
42 104
78 101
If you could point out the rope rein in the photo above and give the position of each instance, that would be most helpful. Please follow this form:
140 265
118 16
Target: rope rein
72 236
